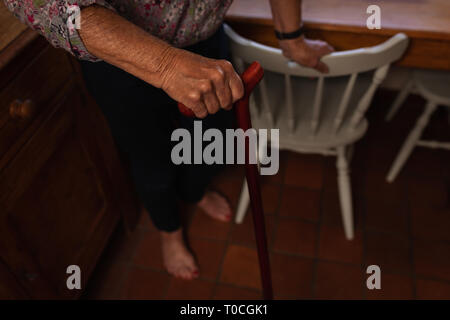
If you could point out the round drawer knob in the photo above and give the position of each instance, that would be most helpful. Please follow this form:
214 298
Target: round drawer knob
21 110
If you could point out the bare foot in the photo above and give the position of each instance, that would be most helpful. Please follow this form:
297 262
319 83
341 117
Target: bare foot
216 206
178 261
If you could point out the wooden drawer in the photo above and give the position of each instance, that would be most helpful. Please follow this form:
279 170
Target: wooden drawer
56 204
61 194
39 82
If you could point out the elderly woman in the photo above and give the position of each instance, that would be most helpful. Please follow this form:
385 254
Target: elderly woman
141 56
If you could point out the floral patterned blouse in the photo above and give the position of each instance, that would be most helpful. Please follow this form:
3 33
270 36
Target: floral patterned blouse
179 22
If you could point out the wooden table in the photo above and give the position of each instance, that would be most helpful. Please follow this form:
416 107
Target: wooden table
343 25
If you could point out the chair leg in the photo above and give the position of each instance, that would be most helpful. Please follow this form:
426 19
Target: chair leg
345 192
410 142
243 203
399 100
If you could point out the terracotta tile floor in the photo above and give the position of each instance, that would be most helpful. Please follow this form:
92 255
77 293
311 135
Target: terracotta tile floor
403 227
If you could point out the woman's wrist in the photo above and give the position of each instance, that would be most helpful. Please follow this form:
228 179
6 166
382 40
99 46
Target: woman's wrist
167 65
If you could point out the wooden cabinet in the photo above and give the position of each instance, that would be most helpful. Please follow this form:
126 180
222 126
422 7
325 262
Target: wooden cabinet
62 188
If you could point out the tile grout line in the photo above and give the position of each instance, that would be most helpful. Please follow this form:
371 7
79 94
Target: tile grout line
315 262
270 246
364 234
128 263
364 253
411 239
227 242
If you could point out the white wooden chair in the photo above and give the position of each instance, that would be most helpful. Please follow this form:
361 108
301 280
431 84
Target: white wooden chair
434 86
314 115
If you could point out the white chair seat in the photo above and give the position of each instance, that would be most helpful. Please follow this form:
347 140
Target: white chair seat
433 85
303 93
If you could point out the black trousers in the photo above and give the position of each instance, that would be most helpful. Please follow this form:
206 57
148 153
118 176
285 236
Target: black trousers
142 119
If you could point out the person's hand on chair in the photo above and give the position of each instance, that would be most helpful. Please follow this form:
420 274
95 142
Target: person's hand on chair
307 52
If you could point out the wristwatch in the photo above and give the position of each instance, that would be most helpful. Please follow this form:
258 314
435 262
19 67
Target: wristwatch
289 35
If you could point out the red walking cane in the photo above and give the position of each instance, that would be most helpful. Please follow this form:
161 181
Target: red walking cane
251 76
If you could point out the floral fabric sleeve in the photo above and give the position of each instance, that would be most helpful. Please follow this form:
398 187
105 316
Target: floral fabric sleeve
56 21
